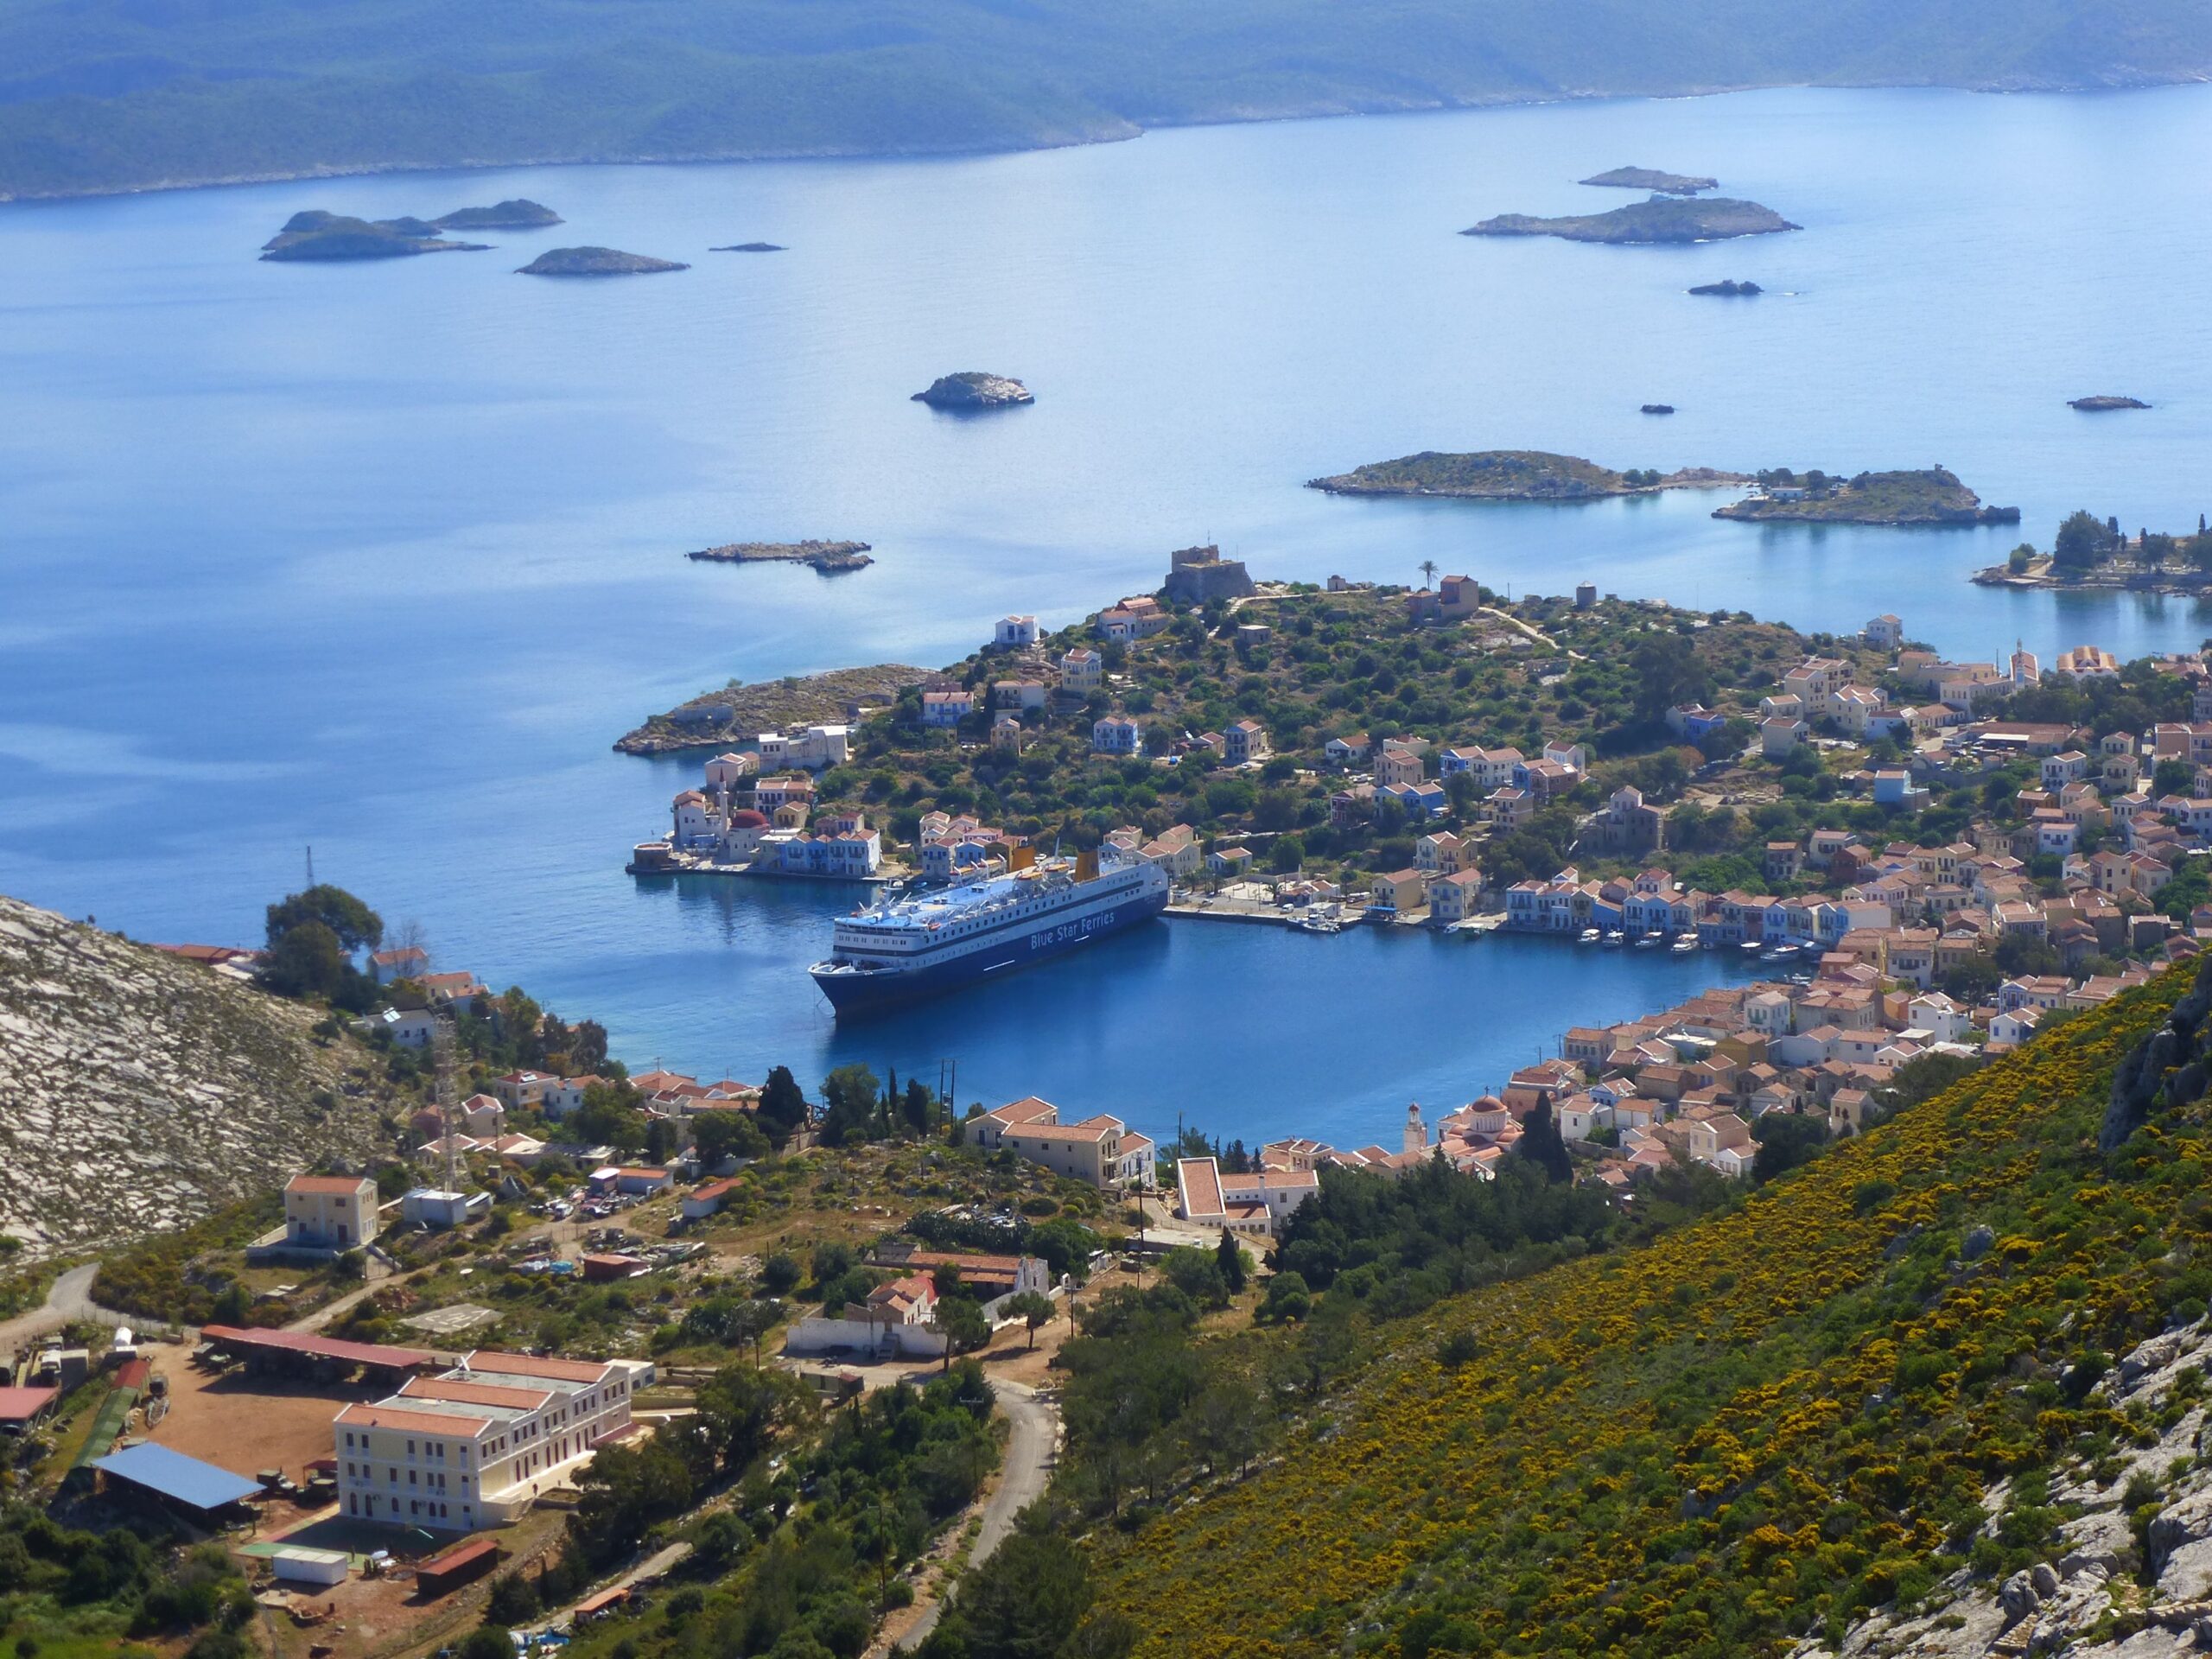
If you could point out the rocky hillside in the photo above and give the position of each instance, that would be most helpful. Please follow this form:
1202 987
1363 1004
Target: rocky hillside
139 1091
1942 1391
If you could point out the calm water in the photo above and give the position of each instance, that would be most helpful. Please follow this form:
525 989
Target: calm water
381 558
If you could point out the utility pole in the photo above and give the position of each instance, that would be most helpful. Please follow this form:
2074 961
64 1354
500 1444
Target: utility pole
311 865
442 1055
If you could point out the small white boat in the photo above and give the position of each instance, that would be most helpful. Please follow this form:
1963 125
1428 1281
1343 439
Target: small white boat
1614 940
1589 936
1647 942
1321 924
1752 946
1685 945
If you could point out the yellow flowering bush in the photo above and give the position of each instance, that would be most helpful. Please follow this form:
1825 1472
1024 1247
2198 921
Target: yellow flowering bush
1747 1431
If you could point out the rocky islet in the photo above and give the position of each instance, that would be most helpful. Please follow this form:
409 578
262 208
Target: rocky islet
972 389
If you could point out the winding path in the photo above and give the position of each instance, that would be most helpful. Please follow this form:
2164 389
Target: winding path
68 1298
1029 1457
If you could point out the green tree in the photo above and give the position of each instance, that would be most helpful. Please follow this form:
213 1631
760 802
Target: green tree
2081 542
513 1600
1786 1140
1541 1145
1229 1257
848 1101
919 1105
1667 672
1026 1602
611 1112
1193 1273
306 960
741 1407
783 1106
724 1134
780 1273
1287 1298
1032 1309
960 1321
354 924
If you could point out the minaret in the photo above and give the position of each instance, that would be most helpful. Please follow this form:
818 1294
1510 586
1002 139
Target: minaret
1416 1131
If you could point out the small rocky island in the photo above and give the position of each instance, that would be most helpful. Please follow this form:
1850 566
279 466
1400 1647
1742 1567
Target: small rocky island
1931 496
1660 219
1731 289
1649 177
751 247
316 235
596 261
518 213
975 390
1514 475
829 557
739 712
2101 405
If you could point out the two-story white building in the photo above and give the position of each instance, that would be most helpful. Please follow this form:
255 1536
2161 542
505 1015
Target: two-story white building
1117 734
474 1446
329 1212
1244 741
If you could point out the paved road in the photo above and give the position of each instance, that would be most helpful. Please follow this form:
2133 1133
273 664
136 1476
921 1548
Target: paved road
69 1299
1029 1458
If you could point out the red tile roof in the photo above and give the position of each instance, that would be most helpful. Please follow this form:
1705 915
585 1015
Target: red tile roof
330 1186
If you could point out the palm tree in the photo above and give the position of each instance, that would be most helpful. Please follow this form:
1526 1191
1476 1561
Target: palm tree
1428 573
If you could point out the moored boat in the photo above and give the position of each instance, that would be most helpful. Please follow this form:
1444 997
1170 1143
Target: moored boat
923 943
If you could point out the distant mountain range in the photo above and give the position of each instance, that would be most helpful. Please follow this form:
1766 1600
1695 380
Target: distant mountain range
106 95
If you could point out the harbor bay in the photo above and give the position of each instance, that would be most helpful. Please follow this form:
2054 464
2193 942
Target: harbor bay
406 631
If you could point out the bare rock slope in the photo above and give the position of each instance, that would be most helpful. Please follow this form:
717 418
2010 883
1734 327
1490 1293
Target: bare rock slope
2128 1572
139 1091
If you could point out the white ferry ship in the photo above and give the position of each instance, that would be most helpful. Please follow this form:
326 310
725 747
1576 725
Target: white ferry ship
920 943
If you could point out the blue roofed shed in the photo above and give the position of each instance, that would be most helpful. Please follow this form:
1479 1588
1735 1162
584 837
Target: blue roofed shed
174 1478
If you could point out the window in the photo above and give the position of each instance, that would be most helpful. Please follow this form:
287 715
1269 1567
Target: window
349 1439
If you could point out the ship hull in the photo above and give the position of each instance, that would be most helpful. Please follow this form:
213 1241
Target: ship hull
858 993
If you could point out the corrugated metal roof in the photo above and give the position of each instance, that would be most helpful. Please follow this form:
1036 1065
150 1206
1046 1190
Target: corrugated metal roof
201 1485
24 1402
302 1342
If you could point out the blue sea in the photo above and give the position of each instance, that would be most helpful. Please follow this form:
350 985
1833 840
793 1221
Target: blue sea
381 559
